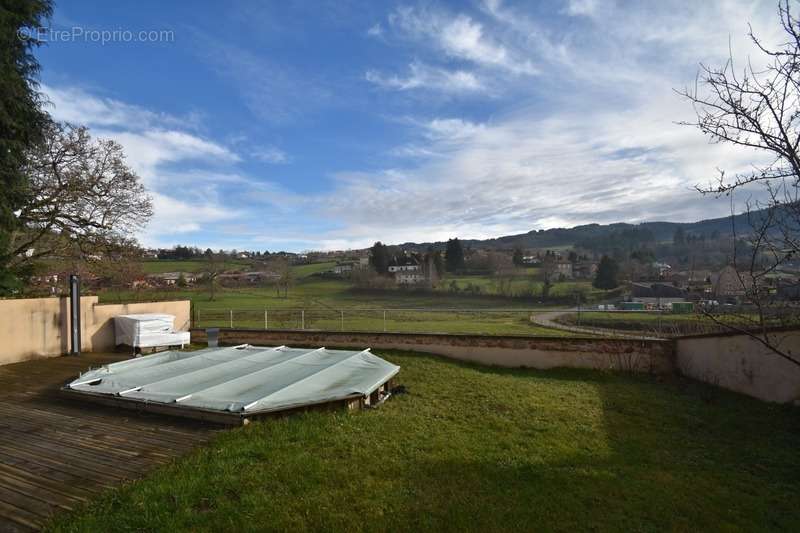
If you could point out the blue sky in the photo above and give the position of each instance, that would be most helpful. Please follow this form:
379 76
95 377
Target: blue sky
329 125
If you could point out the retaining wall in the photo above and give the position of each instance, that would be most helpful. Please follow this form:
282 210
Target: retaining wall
742 364
39 327
654 356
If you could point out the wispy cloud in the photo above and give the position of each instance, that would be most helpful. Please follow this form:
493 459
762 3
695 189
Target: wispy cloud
189 177
459 36
270 154
422 76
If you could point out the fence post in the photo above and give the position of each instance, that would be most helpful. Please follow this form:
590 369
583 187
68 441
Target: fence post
266 319
342 312
302 319
231 318
384 320
197 325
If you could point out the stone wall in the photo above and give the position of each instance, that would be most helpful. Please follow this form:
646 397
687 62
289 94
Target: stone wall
652 356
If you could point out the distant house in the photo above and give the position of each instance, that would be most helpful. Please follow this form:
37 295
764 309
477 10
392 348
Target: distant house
346 267
663 270
531 260
564 268
584 269
728 284
407 271
656 289
170 279
246 278
343 268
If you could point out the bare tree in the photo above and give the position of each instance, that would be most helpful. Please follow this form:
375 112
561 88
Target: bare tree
211 271
759 108
83 198
119 270
285 279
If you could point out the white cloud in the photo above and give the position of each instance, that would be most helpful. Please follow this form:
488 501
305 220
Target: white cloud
184 173
76 106
421 76
376 30
270 154
582 7
452 129
460 37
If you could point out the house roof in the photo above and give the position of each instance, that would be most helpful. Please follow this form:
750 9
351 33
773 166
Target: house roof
404 261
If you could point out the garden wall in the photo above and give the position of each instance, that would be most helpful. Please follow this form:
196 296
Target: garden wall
652 356
39 327
742 364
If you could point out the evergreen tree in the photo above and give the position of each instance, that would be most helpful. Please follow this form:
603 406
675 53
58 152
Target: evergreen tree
607 272
22 119
454 256
518 257
379 257
679 238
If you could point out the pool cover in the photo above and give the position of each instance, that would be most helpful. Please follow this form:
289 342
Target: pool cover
244 380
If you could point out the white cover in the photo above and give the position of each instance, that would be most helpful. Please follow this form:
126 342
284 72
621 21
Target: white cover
148 331
242 379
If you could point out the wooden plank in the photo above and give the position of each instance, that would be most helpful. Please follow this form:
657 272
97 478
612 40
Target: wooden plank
19 519
52 499
26 503
68 490
50 473
58 464
56 452
107 425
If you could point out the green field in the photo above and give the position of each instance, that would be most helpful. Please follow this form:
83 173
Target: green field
474 448
333 304
190 265
324 301
521 285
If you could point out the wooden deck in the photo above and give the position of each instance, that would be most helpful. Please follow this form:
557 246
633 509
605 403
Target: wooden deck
57 452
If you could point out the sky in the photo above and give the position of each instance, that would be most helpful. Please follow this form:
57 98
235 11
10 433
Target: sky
332 124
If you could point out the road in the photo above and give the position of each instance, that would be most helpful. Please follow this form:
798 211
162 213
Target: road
548 319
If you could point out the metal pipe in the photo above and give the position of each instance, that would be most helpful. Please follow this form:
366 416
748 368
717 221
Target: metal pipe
75 312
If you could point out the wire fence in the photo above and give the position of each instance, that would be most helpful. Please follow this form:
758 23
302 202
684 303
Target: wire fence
544 322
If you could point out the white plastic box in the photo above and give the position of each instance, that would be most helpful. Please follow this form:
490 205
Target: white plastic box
148 331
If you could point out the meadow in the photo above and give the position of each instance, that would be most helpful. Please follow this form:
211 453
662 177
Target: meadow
476 304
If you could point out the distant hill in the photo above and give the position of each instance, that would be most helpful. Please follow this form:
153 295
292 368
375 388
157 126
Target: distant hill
559 237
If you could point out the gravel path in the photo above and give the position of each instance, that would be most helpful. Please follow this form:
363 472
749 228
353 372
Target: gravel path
547 319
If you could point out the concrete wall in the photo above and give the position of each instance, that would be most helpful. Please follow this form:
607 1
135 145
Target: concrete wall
39 327
510 351
742 364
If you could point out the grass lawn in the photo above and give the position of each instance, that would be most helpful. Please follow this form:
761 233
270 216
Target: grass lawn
484 449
